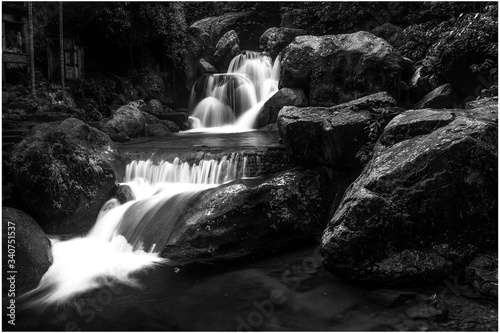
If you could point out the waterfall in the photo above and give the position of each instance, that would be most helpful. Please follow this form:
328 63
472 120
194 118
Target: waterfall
232 101
128 237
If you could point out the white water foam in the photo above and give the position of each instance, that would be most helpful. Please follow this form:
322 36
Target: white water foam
104 255
231 102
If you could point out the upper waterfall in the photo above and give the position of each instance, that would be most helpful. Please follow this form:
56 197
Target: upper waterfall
235 99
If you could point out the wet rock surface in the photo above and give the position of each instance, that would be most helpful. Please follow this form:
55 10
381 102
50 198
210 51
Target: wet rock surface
443 97
32 255
424 204
330 136
284 97
248 25
334 69
246 218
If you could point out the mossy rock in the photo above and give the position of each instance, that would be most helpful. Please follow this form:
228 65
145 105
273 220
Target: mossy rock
64 173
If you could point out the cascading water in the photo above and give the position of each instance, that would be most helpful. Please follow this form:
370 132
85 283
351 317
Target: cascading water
232 101
129 237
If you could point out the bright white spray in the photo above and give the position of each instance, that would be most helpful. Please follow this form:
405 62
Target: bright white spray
104 255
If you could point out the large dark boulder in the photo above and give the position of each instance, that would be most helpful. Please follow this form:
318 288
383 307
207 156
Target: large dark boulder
249 26
152 120
64 173
443 97
334 69
128 120
284 97
273 40
330 136
226 49
425 203
26 250
257 217
158 129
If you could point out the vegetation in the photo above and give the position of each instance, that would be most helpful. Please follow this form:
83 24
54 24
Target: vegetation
60 169
380 117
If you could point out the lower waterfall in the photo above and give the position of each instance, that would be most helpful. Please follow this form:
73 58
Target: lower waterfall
128 237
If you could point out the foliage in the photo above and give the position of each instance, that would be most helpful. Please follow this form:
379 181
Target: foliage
64 170
196 11
378 120
94 89
417 39
42 16
472 37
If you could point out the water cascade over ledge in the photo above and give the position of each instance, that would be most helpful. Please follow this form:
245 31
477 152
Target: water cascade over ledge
128 237
231 102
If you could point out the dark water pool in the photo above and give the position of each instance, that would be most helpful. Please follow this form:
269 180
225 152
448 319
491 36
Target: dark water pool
289 291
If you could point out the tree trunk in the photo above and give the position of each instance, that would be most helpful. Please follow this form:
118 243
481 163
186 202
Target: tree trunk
32 48
61 50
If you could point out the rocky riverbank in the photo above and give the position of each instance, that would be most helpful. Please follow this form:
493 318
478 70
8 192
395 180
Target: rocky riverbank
388 149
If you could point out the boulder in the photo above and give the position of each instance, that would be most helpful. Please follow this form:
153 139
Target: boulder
424 204
153 107
26 250
329 136
152 120
204 67
273 40
389 32
225 50
64 173
128 120
284 97
334 69
256 217
178 118
443 97
124 193
248 25
157 130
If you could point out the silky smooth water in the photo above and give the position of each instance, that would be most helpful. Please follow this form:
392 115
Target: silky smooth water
286 291
128 237
231 102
